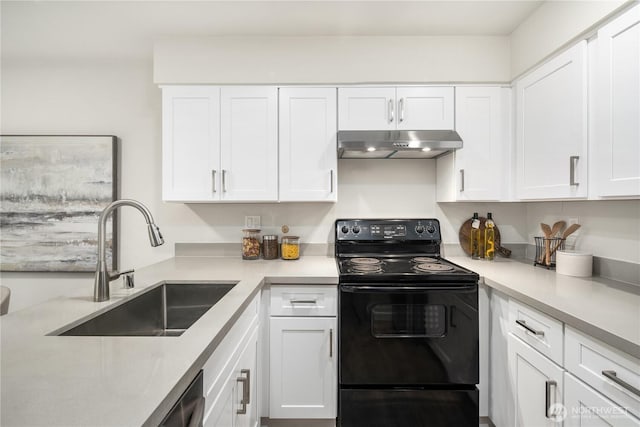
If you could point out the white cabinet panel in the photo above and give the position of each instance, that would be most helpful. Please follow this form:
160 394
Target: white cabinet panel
249 143
618 106
308 158
425 108
501 399
303 372
190 143
476 172
367 108
551 128
587 408
537 385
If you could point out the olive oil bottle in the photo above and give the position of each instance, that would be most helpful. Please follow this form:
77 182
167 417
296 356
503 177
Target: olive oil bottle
489 238
475 236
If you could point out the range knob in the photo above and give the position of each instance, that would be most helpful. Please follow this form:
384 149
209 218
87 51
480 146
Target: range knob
355 229
344 229
431 229
419 229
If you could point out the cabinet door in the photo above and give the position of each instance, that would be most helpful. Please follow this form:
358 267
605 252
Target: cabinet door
585 407
618 106
500 389
190 143
367 108
425 108
308 158
537 384
482 122
303 374
249 143
551 128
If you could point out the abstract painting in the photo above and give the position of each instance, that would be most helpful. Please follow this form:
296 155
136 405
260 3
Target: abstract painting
52 191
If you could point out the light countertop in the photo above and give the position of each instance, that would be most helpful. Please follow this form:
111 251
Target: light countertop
122 381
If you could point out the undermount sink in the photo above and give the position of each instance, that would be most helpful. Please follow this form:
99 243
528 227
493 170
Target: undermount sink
167 310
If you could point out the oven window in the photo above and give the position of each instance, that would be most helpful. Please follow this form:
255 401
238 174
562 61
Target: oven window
408 320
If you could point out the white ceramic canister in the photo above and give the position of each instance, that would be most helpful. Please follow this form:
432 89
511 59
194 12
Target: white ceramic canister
574 263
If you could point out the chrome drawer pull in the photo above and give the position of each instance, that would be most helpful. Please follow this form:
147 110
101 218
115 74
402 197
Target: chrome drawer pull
614 377
547 398
213 180
529 328
246 390
303 301
331 342
390 111
572 170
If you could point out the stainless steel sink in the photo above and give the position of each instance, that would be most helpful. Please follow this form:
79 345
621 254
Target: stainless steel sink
167 310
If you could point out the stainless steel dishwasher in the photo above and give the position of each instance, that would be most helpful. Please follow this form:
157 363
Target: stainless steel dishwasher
189 409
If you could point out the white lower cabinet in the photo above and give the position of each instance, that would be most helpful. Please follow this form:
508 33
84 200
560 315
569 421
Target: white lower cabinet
585 407
537 386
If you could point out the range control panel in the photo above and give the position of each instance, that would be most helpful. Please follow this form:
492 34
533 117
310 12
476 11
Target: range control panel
387 229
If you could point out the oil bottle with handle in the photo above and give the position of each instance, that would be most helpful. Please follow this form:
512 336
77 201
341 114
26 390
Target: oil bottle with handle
489 238
475 236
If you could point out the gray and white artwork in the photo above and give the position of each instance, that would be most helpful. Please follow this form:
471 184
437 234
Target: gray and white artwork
52 191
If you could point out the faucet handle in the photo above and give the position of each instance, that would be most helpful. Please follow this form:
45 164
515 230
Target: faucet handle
127 279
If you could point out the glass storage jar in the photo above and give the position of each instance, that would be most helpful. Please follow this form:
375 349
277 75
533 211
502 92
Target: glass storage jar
250 243
290 247
270 246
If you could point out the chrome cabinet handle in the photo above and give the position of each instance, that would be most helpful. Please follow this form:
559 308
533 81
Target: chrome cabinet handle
614 377
391 114
572 170
529 328
213 180
461 180
224 181
401 109
331 342
246 390
331 179
303 301
547 398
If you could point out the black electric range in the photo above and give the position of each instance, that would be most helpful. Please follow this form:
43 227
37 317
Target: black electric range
408 327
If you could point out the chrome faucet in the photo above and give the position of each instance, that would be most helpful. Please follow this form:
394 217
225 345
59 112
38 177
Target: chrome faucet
103 277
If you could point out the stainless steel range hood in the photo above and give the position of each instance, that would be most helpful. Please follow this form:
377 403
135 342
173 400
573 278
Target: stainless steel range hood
396 144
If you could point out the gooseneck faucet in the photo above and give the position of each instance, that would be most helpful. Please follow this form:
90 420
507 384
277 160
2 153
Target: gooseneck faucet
103 277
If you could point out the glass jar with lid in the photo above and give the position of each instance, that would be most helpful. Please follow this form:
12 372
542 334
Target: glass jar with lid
290 247
250 243
269 246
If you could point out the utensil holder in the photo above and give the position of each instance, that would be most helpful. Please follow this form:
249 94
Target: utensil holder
551 245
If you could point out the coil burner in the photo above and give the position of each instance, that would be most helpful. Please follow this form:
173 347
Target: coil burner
365 265
424 260
432 267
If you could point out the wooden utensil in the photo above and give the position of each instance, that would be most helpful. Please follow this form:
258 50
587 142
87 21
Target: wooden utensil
557 227
464 235
547 243
554 232
570 230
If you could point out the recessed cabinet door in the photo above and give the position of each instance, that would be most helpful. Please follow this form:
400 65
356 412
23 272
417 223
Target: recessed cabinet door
308 158
424 108
303 367
190 143
551 128
618 107
367 108
249 143
537 384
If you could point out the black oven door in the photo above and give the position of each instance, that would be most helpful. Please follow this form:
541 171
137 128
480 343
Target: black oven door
409 335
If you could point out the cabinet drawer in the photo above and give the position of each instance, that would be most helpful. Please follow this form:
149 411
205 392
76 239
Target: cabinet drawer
303 300
613 373
540 331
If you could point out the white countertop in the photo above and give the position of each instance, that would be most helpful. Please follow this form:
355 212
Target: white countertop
607 310
122 381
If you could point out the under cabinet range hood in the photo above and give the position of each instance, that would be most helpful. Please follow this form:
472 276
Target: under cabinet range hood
396 144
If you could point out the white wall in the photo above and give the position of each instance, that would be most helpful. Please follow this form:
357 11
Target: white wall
553 25
314 60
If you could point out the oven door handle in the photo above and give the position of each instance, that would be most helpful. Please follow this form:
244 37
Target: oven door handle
402 289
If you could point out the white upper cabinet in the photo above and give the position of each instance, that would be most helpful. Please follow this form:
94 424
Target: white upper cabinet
551 128
476 172
308 157
190 143
617 125
389 108
220 144
249 143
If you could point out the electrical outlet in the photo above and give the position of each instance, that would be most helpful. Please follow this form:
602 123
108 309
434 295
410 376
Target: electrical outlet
252 221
